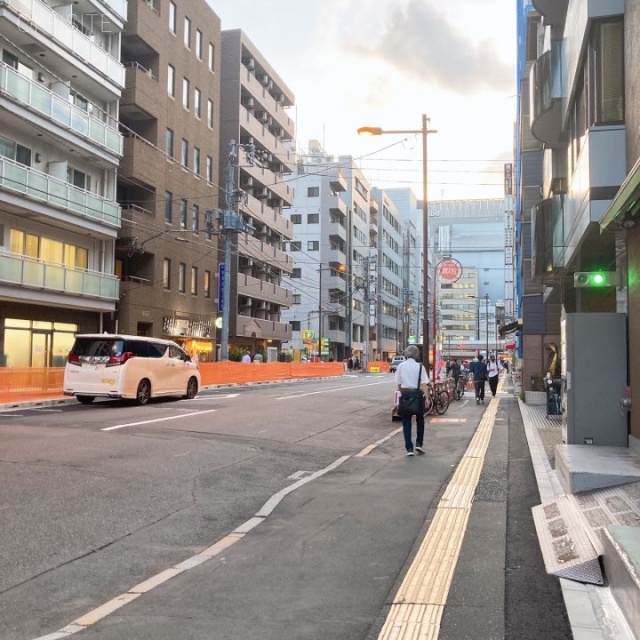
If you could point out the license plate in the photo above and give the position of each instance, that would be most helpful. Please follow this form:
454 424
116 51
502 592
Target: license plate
108 380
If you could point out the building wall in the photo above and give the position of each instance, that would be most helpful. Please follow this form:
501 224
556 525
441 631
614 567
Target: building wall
158 186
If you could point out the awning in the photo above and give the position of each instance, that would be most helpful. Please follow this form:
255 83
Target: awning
510 328
625 199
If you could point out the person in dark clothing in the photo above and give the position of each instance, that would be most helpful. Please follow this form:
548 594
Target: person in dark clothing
479 370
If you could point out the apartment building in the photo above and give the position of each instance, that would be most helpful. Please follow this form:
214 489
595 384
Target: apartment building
167 251
322 282
254 114
61 79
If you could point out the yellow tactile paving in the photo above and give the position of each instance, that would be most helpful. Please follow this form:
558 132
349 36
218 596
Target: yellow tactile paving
418 605
412 623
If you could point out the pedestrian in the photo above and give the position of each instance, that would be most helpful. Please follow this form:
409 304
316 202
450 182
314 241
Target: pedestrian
247 356
356 363
407 375
257 357
455 372
493 370
350 364
479 370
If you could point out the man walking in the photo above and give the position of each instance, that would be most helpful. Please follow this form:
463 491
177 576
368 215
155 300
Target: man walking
479 370
410 376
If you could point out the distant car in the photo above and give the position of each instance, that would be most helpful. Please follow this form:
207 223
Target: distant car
395 361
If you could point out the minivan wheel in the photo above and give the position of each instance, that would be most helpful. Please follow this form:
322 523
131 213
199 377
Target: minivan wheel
143 394
85 399
192 389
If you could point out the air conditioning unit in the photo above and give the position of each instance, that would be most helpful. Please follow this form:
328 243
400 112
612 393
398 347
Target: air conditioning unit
262 230
244 302
251 64
270 121
263 192
246 181
264 117
250 103
262 304
264 80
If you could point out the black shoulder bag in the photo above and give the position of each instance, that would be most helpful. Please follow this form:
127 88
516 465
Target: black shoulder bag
412 403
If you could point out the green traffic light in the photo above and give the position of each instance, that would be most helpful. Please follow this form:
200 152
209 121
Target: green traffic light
598 279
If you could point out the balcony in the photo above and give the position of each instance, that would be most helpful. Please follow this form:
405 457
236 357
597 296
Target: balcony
250 247
118 7
260 290
42 20
30 273
553 11
262 329
139 161
140 98
337 179
59 195
337 233
144 33
547 229
546 98
337 207
58 110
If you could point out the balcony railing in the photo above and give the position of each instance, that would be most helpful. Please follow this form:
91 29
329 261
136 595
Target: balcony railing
546 97
56 193
119 7
39 17
264 329
58 109
35 274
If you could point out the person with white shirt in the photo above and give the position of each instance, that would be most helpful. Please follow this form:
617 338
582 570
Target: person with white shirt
493 371
407 375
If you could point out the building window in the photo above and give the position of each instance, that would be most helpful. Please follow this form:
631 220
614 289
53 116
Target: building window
173 10
313 192
296 218
296 273
78 179
209 169
196 160
295 246
313 218
171 80
195 218
166 274
199 44
185 92
184 153
313 245
207 284
196 101
210 114
183 213
607 55
187 32
296 298
168 200
212 57
182 277
194 281
168 145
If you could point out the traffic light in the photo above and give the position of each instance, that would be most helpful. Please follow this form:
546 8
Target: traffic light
594 279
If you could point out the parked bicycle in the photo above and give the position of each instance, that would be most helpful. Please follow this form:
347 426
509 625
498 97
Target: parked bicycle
436 401
458 391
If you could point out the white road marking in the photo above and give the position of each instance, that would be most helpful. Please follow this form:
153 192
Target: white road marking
314 393
135 424
102 611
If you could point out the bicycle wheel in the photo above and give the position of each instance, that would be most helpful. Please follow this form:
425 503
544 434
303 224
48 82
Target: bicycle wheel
459 391
442 402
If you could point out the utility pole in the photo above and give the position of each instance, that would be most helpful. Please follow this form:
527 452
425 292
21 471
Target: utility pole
230 222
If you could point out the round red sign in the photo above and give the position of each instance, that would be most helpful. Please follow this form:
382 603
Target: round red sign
451 271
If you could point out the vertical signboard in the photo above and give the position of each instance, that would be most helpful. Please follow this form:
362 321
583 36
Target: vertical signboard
508 179
221 286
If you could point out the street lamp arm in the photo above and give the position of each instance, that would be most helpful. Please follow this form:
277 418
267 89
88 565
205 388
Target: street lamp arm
378 131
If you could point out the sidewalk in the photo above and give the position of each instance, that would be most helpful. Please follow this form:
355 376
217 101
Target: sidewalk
592 610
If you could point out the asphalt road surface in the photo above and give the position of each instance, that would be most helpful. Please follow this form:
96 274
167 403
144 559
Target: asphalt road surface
275 511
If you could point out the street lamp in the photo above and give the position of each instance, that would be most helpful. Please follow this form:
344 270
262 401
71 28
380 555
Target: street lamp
435 297
424 131
486 302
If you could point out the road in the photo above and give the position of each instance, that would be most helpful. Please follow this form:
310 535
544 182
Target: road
276 511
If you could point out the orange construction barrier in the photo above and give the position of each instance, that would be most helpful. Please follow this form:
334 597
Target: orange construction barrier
22 384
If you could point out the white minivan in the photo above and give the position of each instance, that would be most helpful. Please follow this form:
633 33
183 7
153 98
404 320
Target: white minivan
130 367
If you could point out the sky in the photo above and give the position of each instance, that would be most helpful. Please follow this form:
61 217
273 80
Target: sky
384 63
